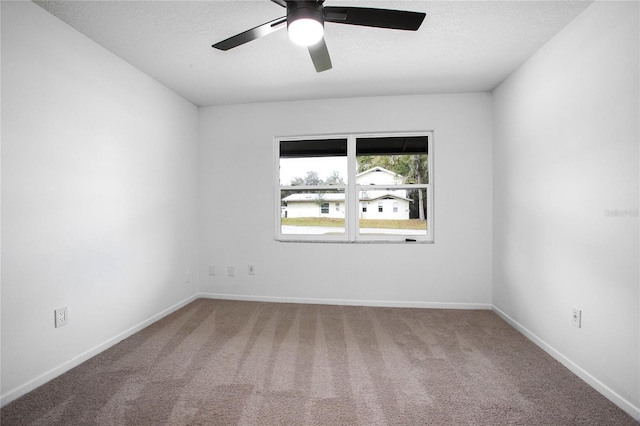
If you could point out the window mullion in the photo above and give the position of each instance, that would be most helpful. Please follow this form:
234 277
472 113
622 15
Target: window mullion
353 201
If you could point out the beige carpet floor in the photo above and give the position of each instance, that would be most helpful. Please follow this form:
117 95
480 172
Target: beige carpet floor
228 362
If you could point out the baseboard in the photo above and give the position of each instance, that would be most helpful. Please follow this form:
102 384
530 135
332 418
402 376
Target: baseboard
16 393
625 405
348 302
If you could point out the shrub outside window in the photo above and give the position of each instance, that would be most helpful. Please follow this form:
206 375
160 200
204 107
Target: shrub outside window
390 170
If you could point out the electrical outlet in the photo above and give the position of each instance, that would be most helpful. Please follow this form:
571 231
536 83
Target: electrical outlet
576 317
231 271
212 270
61 317
251 269
187 277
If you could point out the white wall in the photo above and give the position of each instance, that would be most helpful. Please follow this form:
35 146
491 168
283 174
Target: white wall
565 157
236 163
99 197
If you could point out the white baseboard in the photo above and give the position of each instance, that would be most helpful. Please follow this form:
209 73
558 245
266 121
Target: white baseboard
16 393
612 396
348 302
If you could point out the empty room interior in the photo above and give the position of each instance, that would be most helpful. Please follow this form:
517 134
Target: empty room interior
142 191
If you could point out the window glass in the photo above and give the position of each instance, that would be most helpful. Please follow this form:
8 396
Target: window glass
313 162
308 213
395 215
392 160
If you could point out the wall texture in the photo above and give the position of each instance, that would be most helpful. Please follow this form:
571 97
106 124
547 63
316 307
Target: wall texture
566 198
99 201
238 205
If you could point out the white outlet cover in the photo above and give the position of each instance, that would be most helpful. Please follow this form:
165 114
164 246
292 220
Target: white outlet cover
212 270
231 271
61 317
576 317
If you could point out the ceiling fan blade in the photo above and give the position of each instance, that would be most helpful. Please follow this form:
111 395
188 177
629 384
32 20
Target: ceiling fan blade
320 56
370 17
252 34
282 3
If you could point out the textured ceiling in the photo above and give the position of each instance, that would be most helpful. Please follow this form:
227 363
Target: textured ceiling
462 46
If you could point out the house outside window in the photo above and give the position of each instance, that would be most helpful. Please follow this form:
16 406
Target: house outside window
391 170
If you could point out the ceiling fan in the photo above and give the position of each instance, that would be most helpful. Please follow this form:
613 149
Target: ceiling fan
305 25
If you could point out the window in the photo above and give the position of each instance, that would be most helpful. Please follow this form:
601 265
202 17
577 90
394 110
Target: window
390 170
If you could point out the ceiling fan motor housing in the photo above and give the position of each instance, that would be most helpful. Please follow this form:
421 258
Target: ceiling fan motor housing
304 10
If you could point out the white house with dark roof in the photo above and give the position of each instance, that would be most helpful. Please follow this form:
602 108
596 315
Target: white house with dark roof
374 203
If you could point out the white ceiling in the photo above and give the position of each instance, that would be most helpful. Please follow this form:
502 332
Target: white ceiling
462 46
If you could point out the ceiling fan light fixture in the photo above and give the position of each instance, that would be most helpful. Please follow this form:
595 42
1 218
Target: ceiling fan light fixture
305 22
305 31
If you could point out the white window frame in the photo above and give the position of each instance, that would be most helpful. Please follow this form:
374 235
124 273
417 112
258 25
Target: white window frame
351 191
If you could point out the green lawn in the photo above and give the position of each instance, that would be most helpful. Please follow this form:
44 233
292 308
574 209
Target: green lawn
364 223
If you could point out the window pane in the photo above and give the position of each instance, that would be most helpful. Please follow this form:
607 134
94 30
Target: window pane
313 171
304 212
398 212
313 162
392 160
